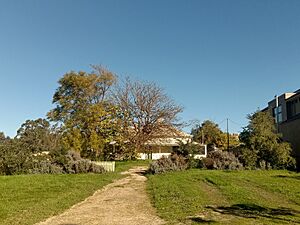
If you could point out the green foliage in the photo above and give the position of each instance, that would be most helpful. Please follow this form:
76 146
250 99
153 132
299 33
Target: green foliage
17 158
210 134
90 121
14 158
119 151
246 156
186 149
38 136
196 163
261 138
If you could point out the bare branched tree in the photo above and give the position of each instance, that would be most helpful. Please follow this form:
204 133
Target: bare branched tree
147 112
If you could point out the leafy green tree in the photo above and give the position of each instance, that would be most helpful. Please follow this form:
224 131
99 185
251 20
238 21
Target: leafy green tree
14 157
246 156
89 120
19 155
261 138
185 149
208 133
38 136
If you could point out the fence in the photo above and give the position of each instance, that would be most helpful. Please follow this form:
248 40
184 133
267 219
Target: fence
108 166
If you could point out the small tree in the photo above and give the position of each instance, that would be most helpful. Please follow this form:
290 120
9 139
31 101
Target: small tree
38 135
14 157
208 133
261 138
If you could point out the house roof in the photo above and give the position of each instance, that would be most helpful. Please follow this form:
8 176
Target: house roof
172 132
168 141
171 138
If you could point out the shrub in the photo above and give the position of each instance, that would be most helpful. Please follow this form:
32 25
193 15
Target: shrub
223 160
14 159
45 167
246 156
208 163
195 163
75 164
167 164
96 168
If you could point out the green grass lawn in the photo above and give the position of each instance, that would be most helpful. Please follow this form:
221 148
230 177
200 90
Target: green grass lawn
27 199
220 197
126 165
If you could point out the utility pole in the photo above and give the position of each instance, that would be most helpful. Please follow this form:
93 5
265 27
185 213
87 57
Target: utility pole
202 136
227 136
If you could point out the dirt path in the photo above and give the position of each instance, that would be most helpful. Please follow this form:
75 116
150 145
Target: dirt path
123 202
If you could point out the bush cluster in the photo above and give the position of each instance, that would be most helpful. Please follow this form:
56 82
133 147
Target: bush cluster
222 160
76 164
14 159
219 160
167 164
45 167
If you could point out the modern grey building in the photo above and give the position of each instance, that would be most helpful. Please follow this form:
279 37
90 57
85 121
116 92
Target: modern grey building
286 111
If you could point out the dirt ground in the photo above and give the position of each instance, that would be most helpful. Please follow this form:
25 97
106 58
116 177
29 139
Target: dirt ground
123 202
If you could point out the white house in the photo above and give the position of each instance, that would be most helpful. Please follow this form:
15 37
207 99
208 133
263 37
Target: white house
164 146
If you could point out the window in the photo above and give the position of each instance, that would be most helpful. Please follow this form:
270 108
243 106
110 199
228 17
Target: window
292 108
277 113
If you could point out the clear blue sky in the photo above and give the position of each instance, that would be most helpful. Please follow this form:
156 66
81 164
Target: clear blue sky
218 59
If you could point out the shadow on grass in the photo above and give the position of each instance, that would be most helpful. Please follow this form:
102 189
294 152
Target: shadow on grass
210 181
292 177
255 211
201 220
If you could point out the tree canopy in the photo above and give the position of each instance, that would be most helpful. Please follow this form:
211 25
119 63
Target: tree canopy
38 135
208 133
261 138
88 118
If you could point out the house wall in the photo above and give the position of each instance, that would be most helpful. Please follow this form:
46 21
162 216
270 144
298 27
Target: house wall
161 149
155 156
158 155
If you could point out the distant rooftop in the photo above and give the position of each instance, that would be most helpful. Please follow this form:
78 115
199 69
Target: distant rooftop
286 95
295 93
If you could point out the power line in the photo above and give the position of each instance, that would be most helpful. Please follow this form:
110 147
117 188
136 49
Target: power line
227 135
238 124
222 121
